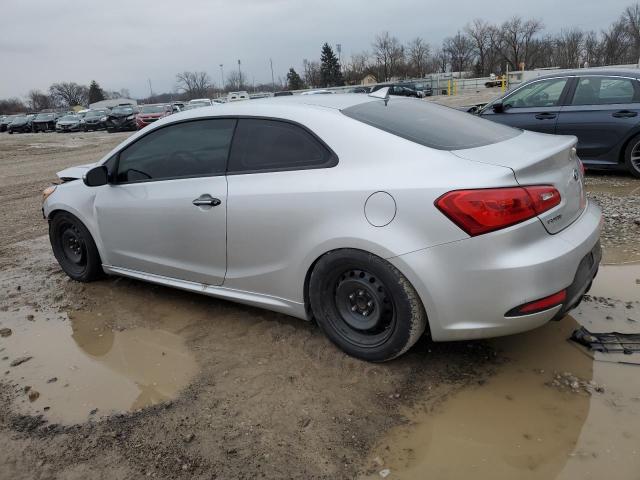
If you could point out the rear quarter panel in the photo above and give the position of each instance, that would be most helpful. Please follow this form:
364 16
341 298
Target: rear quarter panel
280 223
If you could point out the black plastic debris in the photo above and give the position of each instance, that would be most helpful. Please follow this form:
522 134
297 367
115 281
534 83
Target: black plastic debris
613 342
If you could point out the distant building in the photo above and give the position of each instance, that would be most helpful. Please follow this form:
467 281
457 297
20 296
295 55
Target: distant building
368 80
113 103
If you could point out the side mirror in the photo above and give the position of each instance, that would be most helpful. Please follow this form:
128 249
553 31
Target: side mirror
498 107
96 177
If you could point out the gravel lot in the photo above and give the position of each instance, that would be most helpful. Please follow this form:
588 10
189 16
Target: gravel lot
270 397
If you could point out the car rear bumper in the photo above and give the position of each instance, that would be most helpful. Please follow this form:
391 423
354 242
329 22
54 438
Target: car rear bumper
468 286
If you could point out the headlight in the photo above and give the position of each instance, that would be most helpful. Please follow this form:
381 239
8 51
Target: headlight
103 119
131 117
47 192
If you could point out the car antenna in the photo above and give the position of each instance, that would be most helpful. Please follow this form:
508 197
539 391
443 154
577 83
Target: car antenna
383 93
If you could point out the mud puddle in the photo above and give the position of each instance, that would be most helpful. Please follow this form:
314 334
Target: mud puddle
550 412
75 367
620 281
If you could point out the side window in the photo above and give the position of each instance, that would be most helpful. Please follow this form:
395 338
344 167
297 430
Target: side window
189 149
603 91
272 145
545 93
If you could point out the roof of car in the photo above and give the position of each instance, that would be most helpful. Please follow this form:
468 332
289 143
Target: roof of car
619 72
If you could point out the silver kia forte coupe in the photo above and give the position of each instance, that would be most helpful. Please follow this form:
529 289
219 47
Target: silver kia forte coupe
381 219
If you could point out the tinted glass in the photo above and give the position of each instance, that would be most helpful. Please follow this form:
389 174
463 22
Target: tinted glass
189 149
122 110
68 118
545 93
431 125
270 145
603 91
45 116
153 108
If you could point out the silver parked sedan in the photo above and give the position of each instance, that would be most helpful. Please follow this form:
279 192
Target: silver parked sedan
382 219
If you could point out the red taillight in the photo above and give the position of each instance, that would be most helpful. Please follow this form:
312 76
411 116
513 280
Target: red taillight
488 209
539 305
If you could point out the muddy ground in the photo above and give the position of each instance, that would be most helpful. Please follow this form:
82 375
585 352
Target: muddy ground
128 379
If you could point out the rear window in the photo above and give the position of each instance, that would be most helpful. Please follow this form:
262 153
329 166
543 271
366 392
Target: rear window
431 125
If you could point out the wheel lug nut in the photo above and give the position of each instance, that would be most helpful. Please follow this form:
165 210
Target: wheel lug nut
365 313
370 303
352 296
354 308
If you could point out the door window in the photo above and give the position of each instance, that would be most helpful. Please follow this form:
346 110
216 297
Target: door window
604 91
189 149
271 145
544 93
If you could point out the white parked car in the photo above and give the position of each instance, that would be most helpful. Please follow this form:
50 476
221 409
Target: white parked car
382 219
237 96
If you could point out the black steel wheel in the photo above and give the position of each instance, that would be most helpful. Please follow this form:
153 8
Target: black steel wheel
74 248
365 305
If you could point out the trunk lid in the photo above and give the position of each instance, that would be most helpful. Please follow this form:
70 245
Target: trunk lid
540 159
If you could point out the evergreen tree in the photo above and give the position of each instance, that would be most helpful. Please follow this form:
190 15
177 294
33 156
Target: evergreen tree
294 81
330 72
95 92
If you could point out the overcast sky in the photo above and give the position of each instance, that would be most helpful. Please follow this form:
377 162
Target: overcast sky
121 44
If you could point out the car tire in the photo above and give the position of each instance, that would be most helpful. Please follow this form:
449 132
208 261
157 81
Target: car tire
10 132
365 305
74 248
632 156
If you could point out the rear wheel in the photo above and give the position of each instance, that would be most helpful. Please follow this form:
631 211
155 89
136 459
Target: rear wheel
74 248
365 305
632 156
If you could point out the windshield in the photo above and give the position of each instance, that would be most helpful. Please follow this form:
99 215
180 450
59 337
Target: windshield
69 118
20 118
431 125
122 110
96 113
45 116
152 109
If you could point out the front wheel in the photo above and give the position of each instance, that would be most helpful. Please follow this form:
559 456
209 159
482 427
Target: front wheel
74 248
365 305
632 156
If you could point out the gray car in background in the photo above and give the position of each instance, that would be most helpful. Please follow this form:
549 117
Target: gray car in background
599 106
380 218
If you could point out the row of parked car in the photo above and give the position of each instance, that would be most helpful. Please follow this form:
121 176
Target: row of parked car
125 117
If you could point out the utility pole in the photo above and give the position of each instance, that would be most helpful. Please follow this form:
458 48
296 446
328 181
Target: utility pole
150 90
273 82
239 76
221 79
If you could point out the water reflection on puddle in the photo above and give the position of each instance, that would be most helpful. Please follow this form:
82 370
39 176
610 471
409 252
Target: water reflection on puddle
519 425
81 364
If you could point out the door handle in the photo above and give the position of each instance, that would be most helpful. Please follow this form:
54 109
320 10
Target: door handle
545 116
624 114
206 200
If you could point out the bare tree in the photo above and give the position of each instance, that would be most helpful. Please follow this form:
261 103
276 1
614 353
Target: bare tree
515 39
459 48
311 73
480 33
418 52
236 81
631 20
592 50
389 55
356 68
568 48
69 94
615 44
37 100
194 84
10 106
